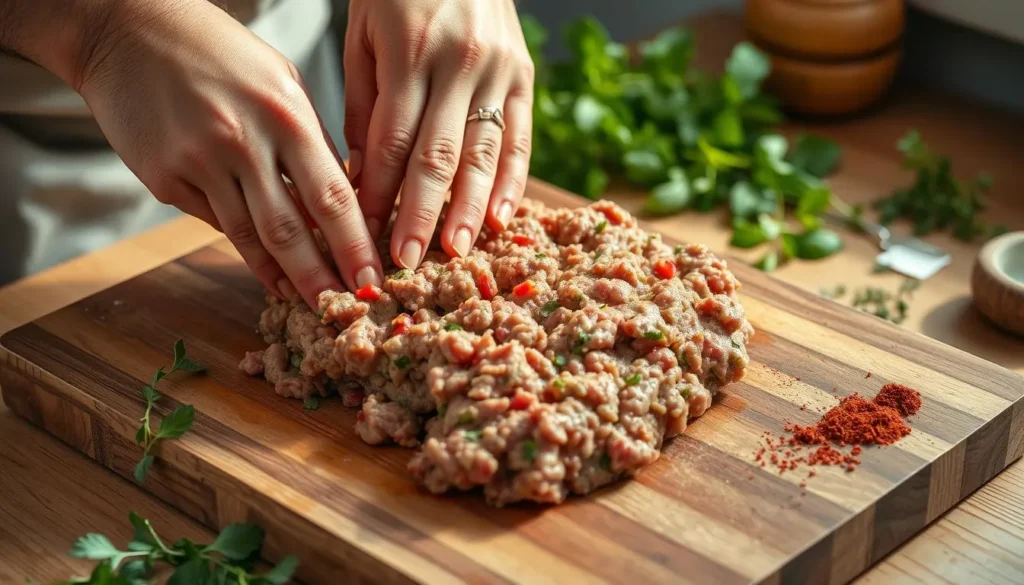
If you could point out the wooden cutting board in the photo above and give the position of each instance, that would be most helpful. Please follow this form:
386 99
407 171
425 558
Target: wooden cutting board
705 513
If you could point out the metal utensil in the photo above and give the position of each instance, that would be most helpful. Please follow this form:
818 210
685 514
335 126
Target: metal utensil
909 256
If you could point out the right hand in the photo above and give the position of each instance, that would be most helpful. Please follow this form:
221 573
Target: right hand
208 116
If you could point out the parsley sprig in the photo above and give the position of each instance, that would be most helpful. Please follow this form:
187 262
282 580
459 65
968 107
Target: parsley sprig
229 559
937 200
697 141
175 424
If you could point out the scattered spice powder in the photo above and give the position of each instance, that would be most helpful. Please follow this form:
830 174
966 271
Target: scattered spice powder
854 422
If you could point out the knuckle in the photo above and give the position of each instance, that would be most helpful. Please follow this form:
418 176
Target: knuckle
310 278
482 157
470 52
527 72
227 131
439 160
394 147
283 103
242 233
423 220
283 230
521 146
337 200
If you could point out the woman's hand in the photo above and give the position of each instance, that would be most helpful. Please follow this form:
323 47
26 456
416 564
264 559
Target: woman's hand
209 117
414 71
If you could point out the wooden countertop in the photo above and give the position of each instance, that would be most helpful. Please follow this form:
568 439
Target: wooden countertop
50 494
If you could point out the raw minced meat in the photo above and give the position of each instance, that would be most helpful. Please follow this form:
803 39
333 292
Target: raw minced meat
554 358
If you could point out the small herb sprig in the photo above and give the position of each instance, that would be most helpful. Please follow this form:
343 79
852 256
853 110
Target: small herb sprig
175 424
229 559
878 301
937 200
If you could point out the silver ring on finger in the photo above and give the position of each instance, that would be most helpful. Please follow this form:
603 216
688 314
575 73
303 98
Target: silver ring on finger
489 113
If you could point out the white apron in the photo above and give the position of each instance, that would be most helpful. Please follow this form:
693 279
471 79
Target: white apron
64 192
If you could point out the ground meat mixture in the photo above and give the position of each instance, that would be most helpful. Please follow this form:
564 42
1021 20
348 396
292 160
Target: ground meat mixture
554 358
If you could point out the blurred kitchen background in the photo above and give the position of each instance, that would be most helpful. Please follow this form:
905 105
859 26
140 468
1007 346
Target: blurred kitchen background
971 47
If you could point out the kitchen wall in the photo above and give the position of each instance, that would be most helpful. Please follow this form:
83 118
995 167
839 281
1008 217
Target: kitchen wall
937 52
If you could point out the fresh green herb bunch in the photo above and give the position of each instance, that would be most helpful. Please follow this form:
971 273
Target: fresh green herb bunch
937 200
696 141
228 560
175 424
878 301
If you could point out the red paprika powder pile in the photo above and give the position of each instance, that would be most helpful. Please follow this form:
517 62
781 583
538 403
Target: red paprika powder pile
854 422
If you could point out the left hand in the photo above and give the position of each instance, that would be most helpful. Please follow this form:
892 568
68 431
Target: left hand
414 72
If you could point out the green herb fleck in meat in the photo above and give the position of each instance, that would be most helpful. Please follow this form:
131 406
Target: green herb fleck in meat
558 382
654 335
311 403
677 249
472 436
633 380
442 409
597 254
465 417
686 393
453 327
401 274
540 256
559 361
529 449
600 227
296 360
581 341
606 462
548 308
402 362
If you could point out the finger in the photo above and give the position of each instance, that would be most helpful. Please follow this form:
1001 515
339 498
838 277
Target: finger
297 75
514 162
331 202
431 169
229 206
360 96
393 129
474 180
284 233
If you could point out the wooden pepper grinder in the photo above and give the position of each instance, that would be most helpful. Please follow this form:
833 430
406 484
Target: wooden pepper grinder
829 57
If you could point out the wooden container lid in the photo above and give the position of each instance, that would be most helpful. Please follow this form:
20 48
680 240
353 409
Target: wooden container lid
825 29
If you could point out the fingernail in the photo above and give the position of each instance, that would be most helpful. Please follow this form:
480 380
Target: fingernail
504 214
368 275
410 254
287 289
462 241
355 164
373 226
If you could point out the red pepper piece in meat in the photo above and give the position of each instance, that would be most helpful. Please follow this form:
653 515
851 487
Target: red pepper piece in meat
401 324
522 240
522 400
487 286
716 284
664 269
525 289
368 293
614 215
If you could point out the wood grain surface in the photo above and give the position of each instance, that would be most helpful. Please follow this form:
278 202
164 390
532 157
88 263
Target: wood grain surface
55 494
704 513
